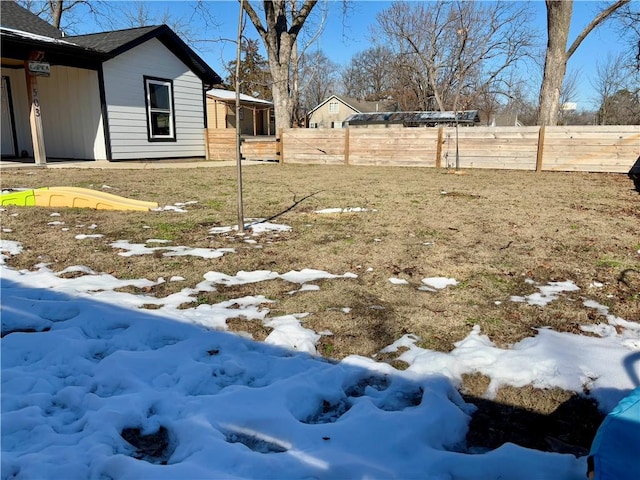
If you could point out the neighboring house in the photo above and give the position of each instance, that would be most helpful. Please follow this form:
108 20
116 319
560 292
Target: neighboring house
334 111
119 95
256 115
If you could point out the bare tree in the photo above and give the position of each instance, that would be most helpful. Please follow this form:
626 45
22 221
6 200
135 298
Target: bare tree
66 14
617 91
621 108
370 74
568 95
462 49
628 18
559 14
610 77
283 21
320 76
519 105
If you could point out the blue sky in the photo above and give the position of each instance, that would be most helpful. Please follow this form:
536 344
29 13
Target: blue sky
344 36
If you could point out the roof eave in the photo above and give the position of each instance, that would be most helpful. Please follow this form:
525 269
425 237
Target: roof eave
55 53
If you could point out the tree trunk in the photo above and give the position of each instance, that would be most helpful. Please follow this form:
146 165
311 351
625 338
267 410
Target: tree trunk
295 85
279 39
555 63
281 91
56 12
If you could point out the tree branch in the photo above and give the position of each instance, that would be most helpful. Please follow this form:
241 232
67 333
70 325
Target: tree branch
255 19
294 205
601 17
303 13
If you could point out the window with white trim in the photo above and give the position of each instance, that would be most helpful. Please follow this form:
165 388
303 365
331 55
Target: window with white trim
334 106
160 111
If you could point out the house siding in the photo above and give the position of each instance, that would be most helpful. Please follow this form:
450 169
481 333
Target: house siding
71 115
125 97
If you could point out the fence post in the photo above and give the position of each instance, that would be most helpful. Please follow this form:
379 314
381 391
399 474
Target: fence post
540 149
207 155
346 146
439 148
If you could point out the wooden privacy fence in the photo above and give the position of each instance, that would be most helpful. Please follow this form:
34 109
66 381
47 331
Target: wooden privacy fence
575 148
221 145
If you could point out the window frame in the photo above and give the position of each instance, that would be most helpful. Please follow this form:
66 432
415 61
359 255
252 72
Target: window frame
334 106
151 137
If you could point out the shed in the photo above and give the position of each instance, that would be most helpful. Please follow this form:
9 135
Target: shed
256 114
119 95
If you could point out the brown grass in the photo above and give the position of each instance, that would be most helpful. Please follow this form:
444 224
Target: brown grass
490 230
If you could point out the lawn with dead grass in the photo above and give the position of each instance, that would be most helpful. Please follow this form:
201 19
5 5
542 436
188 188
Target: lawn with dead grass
492 231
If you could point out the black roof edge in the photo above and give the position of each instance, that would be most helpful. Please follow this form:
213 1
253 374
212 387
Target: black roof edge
55 53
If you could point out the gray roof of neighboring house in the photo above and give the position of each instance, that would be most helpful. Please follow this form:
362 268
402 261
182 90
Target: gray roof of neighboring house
363 105
16 17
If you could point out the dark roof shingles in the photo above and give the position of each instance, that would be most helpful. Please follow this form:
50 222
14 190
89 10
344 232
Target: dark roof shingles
110 41
16 17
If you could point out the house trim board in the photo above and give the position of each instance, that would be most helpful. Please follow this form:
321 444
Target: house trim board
105 114
12 118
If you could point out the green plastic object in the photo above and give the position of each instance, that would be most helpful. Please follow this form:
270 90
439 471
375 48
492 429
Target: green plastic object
24 198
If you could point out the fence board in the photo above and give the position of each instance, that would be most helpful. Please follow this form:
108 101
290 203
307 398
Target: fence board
259 149
221 144
491 147
314 146
397 146
591 148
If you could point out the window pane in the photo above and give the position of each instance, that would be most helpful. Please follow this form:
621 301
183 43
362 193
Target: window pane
160 124
159 96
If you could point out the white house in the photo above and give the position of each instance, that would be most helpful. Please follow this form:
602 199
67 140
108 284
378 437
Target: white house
119 95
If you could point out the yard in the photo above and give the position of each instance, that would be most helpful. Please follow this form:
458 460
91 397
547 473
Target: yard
493 239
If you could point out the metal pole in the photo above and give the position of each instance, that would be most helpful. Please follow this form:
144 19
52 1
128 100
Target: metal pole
238 126
457 151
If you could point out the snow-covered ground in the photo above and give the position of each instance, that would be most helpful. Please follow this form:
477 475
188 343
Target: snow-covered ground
86 363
